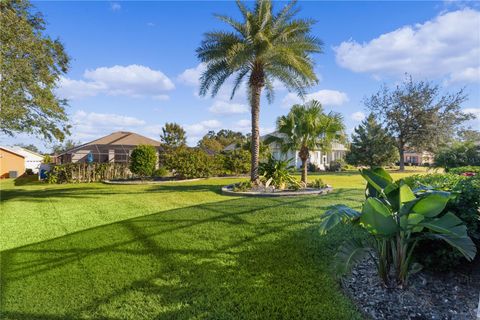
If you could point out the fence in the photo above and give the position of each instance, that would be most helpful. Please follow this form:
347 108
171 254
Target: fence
88 172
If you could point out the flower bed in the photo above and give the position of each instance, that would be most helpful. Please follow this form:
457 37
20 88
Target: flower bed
270 192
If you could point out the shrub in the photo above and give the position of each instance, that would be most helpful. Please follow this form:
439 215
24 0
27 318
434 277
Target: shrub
242 186
29 172
160 172
457 155
189 163
436 255
47 159
143 160
236 162
87 172
312 167
467 169
317 183
278 173
396 218
336 165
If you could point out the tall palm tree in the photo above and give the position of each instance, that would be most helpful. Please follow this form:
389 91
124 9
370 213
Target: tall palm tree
263 47
305 128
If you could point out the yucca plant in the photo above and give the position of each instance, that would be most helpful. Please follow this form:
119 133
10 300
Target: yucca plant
263 48
278 173
396 218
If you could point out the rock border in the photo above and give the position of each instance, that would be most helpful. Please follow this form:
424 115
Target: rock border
138 182
228 191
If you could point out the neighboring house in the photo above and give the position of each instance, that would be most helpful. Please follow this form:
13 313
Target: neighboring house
418 158
33 160
12 163
115 147
317 157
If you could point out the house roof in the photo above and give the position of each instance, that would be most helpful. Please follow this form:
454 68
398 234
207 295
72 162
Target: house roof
12 151
26 152
119 138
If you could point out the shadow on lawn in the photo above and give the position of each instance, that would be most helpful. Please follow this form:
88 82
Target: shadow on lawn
229 259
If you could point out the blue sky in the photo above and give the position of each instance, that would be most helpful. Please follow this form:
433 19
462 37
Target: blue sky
134 65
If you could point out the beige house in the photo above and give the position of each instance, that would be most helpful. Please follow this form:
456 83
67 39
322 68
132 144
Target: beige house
319 158
115 147
12 163
418 158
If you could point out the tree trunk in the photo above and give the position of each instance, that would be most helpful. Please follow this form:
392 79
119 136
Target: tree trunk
255 105
401 150
304 170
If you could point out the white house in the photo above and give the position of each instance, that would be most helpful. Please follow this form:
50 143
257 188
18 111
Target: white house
317 157
33 160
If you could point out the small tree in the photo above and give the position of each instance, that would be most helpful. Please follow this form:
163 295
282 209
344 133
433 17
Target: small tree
458 154
173 135
371 145
143 160
417 115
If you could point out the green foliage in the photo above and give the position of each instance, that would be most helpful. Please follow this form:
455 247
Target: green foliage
465 170
189 163
305 128
47 159
396 219
216 142
30 147
242 186
66 145
236 162
317 183
278 173
262 47
143 160
87 172
173 135
371 145
29 172
337 165
31 65
418 115
458 154
436 255
160 172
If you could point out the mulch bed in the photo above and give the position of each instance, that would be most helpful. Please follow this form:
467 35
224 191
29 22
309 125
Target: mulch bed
452 295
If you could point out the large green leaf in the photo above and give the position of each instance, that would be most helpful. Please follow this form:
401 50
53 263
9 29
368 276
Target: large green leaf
335 215
447 224
431 204
412 222
377 218
463 244
377 178
350 253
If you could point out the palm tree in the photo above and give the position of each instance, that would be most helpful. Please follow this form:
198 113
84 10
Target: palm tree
306 127
263 47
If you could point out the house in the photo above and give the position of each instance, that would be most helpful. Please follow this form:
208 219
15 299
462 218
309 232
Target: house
12 163
33 160
417 158
115 147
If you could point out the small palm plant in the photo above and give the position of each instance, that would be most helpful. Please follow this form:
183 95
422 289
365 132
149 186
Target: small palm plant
263 47
396 219
278 173
305 128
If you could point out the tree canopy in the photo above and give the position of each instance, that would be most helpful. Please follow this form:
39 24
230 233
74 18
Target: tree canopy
173 135
371 145
418 115
31 64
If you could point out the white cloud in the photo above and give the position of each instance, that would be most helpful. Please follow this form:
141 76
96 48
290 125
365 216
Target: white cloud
150 24
200 128
191 76
446 46
465 75
357 116
133 81
90 125
115 6
222 107
326 97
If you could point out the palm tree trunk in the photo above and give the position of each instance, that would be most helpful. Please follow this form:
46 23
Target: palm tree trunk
255 105
304 171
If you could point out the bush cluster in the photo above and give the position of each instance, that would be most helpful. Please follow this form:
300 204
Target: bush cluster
438 255
143 160
466 169
189 163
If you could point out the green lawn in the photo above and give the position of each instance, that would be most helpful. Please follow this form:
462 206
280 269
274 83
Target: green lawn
172 251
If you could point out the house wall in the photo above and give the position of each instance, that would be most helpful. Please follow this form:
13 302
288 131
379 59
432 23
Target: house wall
11 162
418 158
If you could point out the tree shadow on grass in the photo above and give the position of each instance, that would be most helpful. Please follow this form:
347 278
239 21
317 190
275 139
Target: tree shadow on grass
235 259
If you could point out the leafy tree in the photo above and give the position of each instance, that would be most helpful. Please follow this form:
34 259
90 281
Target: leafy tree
371 145
458 154
417 115
31 65
30 147
173 135
305 128
469 135
263 47
216 142
66 145
143 160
